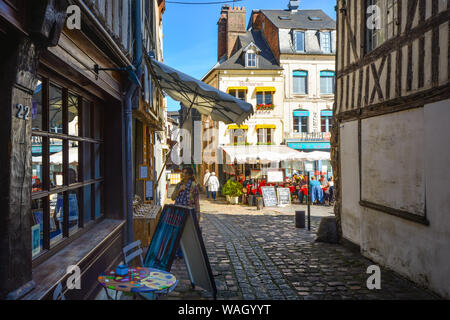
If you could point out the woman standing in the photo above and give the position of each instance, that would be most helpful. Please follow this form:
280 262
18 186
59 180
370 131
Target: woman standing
187 192
213 185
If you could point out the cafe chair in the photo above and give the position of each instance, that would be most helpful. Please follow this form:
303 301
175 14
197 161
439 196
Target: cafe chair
131 251
58 294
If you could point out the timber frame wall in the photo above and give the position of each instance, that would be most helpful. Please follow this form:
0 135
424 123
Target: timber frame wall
408 71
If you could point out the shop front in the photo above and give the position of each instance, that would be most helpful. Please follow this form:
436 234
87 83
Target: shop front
317 148
62 199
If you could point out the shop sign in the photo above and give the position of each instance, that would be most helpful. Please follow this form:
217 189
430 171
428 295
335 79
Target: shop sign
310 145
275 176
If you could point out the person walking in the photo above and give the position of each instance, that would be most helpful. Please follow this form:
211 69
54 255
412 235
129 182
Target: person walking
205 182
213 184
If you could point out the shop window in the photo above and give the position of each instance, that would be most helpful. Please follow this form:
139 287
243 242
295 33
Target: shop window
300 82
36 109
67 170
265 136
301 119
327 82
383 15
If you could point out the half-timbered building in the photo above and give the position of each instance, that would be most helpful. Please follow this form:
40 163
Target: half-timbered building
390 140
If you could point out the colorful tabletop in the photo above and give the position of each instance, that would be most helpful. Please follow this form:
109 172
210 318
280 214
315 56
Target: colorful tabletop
138 280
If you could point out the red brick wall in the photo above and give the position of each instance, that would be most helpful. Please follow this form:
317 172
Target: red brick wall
232 23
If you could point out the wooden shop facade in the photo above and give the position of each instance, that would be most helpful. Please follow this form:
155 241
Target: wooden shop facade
63 173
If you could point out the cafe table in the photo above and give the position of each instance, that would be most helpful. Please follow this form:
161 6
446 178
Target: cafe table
139 280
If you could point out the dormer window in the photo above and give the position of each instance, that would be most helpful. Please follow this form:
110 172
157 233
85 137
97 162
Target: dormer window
250 60
299 41
325 41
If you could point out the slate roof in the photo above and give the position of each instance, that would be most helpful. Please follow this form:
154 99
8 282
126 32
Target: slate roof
266 59
300 19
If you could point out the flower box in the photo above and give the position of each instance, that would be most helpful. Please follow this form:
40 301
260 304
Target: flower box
265 107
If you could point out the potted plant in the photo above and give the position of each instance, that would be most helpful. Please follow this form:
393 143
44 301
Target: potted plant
232 190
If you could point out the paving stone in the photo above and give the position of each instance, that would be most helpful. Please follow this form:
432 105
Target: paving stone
262 255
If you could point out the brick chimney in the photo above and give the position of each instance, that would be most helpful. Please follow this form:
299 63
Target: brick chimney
232 23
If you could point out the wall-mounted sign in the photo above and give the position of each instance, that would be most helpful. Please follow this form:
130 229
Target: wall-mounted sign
148 190
275 176
143 172
22 111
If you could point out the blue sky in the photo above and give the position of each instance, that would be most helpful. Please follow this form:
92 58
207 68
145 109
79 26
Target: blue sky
190 32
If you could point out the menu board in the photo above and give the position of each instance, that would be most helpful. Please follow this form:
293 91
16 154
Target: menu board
178 228
269 196
284 196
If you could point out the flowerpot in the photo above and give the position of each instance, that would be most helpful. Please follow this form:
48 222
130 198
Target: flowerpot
234 200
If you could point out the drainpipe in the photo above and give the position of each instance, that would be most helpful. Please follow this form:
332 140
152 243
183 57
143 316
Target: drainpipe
128 117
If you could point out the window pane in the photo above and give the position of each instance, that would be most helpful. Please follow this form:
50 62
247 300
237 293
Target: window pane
87 207
86 127
233 93
268 98
37 226
98 157
73 115
296 124
241 95
98 200
300 82
56 218
56 163
73 162
55 110
259 98
37 164
326 42
304 124
98 123
73 210
37 107
87 169
300 41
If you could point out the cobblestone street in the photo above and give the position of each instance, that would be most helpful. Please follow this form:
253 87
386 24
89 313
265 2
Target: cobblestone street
261 255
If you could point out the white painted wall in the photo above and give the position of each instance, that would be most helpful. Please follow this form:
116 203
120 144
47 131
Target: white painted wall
392 160
417 251
313 102
252 80
350 213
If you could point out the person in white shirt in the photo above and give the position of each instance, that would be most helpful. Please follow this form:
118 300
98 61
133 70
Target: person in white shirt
205 182
213 185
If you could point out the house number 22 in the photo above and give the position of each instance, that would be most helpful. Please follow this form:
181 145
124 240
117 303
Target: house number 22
22 111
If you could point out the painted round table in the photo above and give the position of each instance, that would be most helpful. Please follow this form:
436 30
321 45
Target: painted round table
138 280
